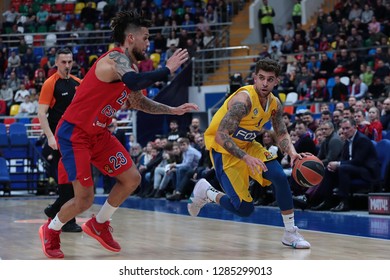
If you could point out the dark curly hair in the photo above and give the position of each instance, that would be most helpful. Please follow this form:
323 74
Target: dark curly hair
126 21
268 65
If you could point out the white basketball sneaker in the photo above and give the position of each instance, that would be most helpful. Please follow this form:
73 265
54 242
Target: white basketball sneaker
295 239
198 198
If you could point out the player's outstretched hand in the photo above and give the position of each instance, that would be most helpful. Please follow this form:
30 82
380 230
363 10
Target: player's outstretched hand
185 108
177 59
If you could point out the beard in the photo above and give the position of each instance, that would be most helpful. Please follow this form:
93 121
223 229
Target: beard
139 56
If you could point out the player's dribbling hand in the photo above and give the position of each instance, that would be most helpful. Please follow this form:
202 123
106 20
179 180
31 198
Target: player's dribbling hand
297 156
177 59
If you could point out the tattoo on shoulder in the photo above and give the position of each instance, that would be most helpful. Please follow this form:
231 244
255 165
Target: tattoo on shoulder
122 62
233 117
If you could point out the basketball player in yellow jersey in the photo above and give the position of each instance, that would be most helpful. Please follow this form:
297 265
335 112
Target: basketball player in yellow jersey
237 156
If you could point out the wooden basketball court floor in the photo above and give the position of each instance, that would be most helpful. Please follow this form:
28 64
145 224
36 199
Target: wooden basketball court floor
157 229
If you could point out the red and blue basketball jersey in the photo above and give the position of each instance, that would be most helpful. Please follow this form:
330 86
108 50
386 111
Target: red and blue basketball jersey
96 102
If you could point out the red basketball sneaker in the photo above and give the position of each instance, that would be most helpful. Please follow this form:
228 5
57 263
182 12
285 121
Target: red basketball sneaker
50 241
102 233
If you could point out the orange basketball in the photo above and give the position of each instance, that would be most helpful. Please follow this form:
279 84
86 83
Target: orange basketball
308 171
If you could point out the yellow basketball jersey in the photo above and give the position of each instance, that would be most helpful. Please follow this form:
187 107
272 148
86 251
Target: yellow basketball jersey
249 127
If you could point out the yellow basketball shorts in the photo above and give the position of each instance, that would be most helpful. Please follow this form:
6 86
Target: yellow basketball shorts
233 174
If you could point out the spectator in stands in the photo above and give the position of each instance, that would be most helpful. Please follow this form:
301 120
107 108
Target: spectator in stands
29 62
287 121
174 132
342 59
160 43
161 184
147 172
183 37
311 123
377 88
287 30
287 46
330 149
14 64
88 14
358 89
205 166
7 95
329 29
26 108
313 65
354 40
161 171
382 71
326 116
339 90
13 82
27 82
366 74
322 93
54 16
375 128
327 66
194 129
311 91
39 80
9 17
185 169
321 17
172 39
171 50
61 25
355 12
21 94
385 118
146 65
336 118
360 120
188 24
348 113
340 106
367 14
42 16
359 160
305 141
208 38
202 24
31 19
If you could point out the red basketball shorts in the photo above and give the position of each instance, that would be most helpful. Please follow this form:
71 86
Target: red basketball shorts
79 150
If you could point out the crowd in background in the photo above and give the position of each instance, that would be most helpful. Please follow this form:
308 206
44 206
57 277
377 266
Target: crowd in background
174 24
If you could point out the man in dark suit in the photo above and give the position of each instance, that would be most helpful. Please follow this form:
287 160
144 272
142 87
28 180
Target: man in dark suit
359 160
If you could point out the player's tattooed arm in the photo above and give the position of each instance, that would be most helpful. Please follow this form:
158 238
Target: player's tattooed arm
240 106
122 62
138 101
281 131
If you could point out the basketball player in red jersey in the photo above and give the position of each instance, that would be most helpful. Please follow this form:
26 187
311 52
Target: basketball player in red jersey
83 137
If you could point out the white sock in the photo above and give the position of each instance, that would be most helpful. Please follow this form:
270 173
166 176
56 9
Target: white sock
56 224
212 194
105 213
289 222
